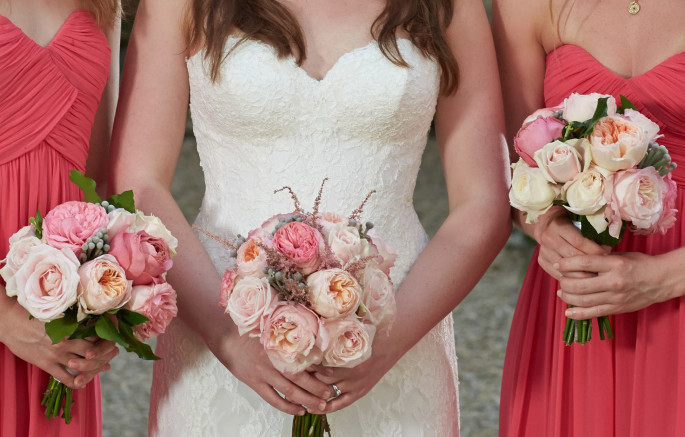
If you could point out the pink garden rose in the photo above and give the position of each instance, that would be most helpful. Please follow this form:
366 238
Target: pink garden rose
157 302
668 213
250 303
103 286
251 260
264 233
378 297
154 227
350 343
347 245
617 144
47 282
293 337
560 161
144 257
227 283
20 246
72 223
534 135
300 243
639 196
333 293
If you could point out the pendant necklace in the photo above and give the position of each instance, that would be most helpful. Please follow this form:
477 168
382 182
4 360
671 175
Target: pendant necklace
633 7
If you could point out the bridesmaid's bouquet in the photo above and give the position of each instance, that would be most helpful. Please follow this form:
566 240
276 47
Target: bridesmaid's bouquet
601 162
93 269
314 287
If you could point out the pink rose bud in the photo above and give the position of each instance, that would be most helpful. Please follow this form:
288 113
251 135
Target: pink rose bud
72 223
534 135
157 302
144 257
300 243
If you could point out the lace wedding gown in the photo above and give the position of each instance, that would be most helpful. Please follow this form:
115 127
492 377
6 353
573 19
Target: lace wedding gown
266 124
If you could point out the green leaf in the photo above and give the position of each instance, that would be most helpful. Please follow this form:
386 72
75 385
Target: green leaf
603 238
141 349
62 327
131 318
37 223
626 104
87 186
106 329
123 200
83 332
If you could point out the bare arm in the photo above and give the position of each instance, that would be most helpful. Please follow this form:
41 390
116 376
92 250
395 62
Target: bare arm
469 127
148 135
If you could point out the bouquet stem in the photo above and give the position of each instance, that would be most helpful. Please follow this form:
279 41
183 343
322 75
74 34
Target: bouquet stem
580 331
56 399
311 425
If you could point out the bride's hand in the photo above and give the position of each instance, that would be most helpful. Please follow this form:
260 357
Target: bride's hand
246 359
27 340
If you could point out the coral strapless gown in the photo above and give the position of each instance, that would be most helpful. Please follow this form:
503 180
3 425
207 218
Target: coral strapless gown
634 385
48 99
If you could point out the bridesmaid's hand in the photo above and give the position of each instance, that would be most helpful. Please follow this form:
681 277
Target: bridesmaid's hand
559 238
246 359
27 340
620 283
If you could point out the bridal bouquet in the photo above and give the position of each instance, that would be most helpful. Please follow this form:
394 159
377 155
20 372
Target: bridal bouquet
601 162
314 288
93 269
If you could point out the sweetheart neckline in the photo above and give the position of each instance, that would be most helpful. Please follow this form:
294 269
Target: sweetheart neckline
55 36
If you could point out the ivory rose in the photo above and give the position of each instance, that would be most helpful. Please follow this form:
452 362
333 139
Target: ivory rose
560 161
47 282
293 337
581 107
534 135
120 220
350 343
333 293
378 296
70 224
617 144
144 257
531 191
20 246
249 303
157 302
639 195
103 286
347 245
587 194
650 129
250 260
300 243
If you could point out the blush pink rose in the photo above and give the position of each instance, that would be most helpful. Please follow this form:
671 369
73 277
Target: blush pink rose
20 246
157 302
293 337
350 343
328 220
347 245
534 135
227 283
649 128
333 293
668 214
639 195
378 297
144 257
47 282
120 221
103 286
386 256
72 223
249 303
251 260
617 144
544 113
300 243
559 161
264 233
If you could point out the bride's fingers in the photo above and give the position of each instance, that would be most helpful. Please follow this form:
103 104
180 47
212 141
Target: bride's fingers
298 396
270 395
342 401
311 384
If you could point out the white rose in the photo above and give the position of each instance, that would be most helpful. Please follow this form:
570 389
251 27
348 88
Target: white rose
20 246
154 226
587 195
560 161
530 191
581 107
120 220
347 245
617 144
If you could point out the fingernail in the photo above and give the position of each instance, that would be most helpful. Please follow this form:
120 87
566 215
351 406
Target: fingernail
570 313
301 412
322 406
71 363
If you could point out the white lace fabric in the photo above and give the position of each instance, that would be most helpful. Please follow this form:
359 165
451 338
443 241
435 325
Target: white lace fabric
267 124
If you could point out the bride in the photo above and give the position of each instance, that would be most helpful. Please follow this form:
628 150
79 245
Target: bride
289 92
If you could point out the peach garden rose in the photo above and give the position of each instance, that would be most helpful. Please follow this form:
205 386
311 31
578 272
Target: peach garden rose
334 293
103 285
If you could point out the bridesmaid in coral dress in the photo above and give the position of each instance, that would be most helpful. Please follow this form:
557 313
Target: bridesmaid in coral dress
54 66
633 385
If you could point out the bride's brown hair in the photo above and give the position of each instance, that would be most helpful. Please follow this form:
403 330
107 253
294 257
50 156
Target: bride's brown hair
210 22
104 11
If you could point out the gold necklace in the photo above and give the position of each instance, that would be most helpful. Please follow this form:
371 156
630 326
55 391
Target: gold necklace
633 7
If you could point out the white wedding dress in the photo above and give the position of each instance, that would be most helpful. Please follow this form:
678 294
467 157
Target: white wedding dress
266 124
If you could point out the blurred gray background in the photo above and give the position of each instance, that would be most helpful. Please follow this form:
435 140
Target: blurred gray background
481 322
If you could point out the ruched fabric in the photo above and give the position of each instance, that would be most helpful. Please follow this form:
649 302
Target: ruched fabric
633 385
48 99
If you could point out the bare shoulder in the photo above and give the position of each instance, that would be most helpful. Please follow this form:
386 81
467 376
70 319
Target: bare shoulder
524 19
